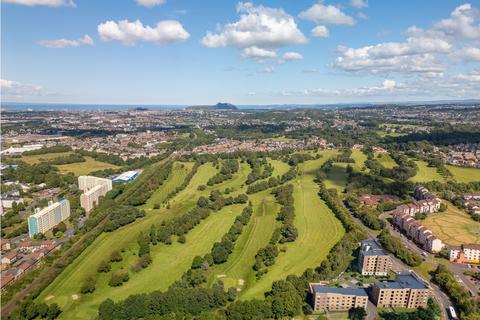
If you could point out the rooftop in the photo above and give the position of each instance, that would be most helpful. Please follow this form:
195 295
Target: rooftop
403 281
371 248
345 291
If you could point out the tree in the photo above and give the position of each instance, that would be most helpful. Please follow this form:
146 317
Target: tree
88 285
42 310
357 314
197 262
104 267
116 256
53 311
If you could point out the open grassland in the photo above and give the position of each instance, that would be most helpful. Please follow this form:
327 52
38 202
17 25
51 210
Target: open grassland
337 177
462 174
454 226
426 173
318 231
385 159
34 159
359 158
84 168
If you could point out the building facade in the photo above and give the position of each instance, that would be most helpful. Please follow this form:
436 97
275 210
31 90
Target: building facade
47 218
407 291
337 299
466 253
93 189
373 260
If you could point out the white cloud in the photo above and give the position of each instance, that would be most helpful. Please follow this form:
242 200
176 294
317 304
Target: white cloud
466 54
359 4
320 32
65 43
129 33
461 23
258 27
150 3
251 93
48 3
472 76
10 88
266 70
362 16
289 56
326 14
256 52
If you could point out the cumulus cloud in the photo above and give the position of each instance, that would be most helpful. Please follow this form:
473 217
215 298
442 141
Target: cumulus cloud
10 88
320 32
359 4
472 76
48 3
256 52
150 3
461 23
258 27
362 16
129 33
326 14
266 70
466 54
289 56
65 43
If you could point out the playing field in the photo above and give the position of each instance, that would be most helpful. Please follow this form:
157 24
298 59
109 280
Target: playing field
84 168
33 159
454 226
426 173
462 174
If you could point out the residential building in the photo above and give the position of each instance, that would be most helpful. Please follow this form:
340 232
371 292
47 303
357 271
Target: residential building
407 291
47 218
373 260
9 258
337 299
93 189
422 193
466 253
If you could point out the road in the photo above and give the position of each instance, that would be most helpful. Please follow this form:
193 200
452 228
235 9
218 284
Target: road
398 266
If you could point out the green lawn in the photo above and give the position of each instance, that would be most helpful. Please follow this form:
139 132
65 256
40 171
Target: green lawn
279 167
462 174
318 231
34 159
337 177
359 158
426 173
84 168
385 159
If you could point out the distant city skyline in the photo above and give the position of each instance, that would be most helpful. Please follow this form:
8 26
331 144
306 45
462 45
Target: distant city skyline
180 52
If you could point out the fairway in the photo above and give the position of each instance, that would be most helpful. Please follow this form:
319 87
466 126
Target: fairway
426 173
359 158
279 167
462 174
454 226
34 159
385 159
318 231
337 177
84 168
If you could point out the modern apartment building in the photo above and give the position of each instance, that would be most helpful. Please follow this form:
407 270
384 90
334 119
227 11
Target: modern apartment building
373 260
466 253
407 291
337 299
93 189
45 219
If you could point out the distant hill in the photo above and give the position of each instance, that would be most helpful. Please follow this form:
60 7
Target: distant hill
219 106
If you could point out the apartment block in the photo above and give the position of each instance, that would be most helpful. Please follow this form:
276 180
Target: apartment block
373 260
47 218
422 193
93 189
407 291
466 253
337 299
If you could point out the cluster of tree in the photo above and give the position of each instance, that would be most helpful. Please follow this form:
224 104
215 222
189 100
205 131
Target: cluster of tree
45 150
11 217
88 285
229 167
284 196
460 296
395 246
447 135
217 201
361 183
272 182
30 310
434 161
176 301
368 216
71 158
103 157
296 158
117 279
122 215
261 169
432 312
344 156
37 174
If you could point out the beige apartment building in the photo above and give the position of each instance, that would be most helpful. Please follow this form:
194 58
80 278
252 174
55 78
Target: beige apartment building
333 299
373 260
93 189
407 291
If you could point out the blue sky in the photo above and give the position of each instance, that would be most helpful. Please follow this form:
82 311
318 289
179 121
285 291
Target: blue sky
261 52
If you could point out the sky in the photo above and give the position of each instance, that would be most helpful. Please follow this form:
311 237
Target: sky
183 52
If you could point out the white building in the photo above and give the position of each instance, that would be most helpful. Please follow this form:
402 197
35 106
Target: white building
93 189
47 218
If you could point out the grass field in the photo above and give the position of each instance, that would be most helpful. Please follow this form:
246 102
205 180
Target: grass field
359 158
34 159
461 174
311 246
454 226
426 173
385 159
84 168
337 177
279 167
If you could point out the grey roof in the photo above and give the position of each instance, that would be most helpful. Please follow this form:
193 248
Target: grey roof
371 248
345 291
403 281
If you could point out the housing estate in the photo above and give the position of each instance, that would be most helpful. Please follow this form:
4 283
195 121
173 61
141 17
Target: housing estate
45 219
466 253
93 189
373 260
337 299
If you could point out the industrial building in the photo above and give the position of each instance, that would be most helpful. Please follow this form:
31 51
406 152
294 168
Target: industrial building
337 299
127 177
45 219
93 189
373 260
407 291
